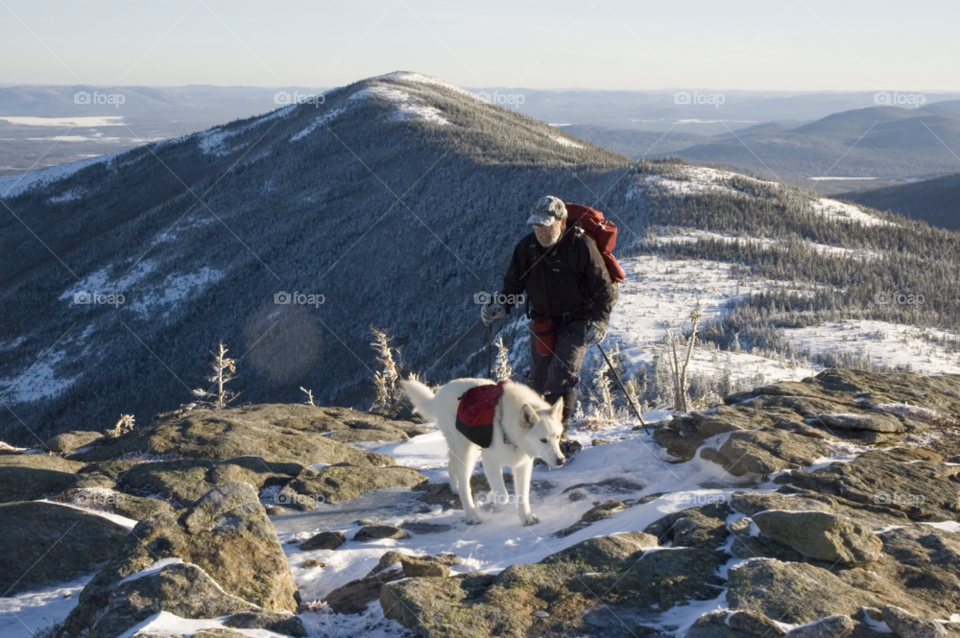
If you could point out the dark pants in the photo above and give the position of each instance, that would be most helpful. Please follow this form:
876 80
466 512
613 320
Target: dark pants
557 375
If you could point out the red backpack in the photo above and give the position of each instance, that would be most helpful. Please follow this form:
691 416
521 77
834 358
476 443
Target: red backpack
604 233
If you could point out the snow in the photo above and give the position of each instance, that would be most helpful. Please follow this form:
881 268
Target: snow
323 120
949 526
85 121
426 79
165 623
882 342
40 381
565 142
214 141
406 106
153 569
845 212
122 521
176 288
68 196
24 614
694 235
14 185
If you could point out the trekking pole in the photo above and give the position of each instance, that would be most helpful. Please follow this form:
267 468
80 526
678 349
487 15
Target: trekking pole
490 351
625 393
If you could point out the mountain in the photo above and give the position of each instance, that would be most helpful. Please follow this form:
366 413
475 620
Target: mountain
881 142
288 236
935 201
393 203
634 143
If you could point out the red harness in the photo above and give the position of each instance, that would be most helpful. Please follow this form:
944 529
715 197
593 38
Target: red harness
475 414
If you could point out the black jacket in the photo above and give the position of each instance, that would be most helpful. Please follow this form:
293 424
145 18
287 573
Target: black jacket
570 276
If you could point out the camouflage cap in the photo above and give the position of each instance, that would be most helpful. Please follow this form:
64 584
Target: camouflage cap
547 210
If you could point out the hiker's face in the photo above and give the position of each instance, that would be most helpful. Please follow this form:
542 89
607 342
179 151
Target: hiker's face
548 235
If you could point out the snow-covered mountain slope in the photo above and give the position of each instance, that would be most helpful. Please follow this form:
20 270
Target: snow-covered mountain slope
391 203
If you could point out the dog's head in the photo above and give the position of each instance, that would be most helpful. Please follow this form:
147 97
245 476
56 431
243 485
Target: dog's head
542 430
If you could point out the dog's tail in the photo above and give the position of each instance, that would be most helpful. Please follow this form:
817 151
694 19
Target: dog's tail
421 397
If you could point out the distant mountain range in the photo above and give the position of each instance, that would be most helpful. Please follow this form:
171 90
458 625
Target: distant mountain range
935 201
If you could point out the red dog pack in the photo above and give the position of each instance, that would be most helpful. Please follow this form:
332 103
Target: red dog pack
475 413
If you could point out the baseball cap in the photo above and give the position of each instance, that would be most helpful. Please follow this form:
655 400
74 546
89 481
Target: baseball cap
547 210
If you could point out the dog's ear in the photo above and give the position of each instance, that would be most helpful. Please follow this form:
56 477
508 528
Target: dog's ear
557 412
528 416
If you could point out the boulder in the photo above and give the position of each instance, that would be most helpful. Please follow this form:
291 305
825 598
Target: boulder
46 543
227 534
324 540
40 462
911 481
821 535
871 422
907 625
753 623
414 567
704 527
355 596
795 593
759 453
391 558
561 589
182 589
749 503
343 482
836 626
186 480
28 484
369 533
70 441
286 624
113 502
278 433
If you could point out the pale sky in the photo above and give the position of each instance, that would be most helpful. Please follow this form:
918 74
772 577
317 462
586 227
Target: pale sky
795 45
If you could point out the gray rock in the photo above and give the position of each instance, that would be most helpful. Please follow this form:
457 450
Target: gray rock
286 624
343 482
749 503
822 535
70 441
324 540
907 625
765 452
753 623
703 527
232 540
377 532
837 626
183 589
282 433
355 596
426 528
46 543
872 422
414 567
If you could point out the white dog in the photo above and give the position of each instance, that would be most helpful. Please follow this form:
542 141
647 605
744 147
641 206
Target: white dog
524 427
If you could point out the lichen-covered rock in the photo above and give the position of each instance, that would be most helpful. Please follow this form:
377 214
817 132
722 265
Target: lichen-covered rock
821 535
836 626
46 543
278 433
759 453
703 527
286 624
369 533
907 625
113 502
70 441
343 482
911 481
227 534
324 540
185 481
181 589
355 596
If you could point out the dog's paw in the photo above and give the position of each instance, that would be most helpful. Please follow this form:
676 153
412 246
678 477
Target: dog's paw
472 519
530 519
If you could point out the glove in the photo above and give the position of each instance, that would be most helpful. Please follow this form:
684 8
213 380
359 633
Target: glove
596 331
491 312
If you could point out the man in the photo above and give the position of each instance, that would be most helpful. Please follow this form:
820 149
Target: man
570 294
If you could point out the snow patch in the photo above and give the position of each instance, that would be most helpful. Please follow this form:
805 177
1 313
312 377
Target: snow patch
565 142
406 106
833 209
318 122
14 185
153 569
